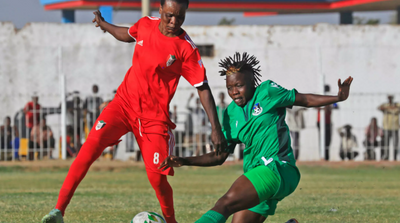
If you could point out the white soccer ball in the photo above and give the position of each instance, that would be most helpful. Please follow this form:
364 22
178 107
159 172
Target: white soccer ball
148 217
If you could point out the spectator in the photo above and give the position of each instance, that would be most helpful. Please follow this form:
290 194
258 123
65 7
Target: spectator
295 121
32 113
71 151
42 137
372 133
6 134
74 118
391 111
91 107
348 143
174 114
104 104
178 134
20 123
6 137
197 128
328 124
221 107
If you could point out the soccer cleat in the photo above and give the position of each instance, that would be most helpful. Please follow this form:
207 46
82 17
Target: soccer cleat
292 221
54 216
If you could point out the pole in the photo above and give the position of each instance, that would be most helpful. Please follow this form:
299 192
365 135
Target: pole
63 108
146 10
322 111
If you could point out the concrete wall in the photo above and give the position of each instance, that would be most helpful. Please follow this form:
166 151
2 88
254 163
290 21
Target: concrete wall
293 56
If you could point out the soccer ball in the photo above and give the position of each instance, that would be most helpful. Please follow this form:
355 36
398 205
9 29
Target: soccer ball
148 217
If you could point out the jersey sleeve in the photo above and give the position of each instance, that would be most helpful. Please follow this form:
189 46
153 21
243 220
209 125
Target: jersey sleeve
193 69
279 96
133 30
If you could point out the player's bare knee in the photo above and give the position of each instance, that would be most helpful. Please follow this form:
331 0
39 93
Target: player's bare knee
226 205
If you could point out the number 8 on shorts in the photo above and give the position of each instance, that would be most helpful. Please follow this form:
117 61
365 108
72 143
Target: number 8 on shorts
156 159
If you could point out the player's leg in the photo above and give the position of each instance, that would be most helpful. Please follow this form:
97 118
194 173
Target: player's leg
289 179
111 126
156 143
247 216
253 215
257 185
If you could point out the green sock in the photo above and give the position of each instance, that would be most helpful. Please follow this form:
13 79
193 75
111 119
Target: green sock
212 217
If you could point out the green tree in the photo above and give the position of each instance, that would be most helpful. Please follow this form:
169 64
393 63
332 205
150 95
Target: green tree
365 21
226 22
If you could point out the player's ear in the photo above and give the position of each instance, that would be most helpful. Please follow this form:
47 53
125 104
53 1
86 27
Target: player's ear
160 9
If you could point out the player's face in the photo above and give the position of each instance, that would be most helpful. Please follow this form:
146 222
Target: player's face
172 17
240 88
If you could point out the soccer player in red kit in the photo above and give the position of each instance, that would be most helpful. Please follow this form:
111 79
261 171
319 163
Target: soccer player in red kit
163 53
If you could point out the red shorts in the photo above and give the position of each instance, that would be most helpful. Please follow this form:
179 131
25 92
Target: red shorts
155 139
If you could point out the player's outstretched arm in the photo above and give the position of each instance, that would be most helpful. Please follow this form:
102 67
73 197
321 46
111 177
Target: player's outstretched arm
315 100
209 159
120 33
207 100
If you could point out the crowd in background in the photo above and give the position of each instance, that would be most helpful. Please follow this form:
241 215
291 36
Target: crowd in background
31 138
377 139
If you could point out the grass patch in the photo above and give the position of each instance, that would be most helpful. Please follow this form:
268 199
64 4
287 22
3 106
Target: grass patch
325 194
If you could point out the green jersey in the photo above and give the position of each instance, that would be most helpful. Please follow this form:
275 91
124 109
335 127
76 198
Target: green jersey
261 126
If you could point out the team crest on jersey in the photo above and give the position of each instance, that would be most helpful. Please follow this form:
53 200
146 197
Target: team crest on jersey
100 125
257 109
171 60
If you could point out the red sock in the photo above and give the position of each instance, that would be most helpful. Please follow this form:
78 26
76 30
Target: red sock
164 194
89 152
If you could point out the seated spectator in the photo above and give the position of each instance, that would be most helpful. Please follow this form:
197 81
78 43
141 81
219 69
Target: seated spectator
372 135
74 117
71 149
348 143
42 137
6 138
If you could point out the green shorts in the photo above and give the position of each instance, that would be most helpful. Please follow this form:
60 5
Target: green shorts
273 183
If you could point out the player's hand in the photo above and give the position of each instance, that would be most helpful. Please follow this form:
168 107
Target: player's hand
344 88
219 141
98 19
171 161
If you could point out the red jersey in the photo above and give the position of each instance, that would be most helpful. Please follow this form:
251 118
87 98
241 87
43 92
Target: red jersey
29 114
157 65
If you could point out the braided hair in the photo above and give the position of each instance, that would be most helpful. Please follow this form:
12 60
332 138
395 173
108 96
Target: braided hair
240 63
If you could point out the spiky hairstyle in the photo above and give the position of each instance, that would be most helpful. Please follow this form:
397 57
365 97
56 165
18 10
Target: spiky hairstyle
240 63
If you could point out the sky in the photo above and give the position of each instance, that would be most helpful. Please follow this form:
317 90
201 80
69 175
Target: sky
21 12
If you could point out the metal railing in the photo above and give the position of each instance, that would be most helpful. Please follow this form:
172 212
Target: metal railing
21 141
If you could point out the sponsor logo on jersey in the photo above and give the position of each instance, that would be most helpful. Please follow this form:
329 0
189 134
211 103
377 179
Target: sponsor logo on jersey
257 109
140 43
171 60
100 125
200 63
274 85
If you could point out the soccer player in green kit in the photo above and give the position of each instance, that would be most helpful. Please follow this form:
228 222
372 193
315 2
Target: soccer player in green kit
256 117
